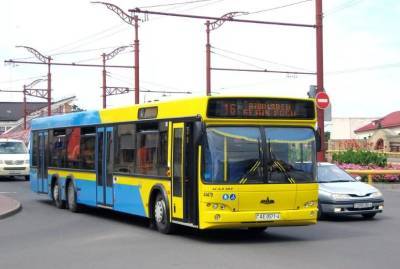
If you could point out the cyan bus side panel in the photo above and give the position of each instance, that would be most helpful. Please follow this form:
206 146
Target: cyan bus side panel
85 191
71 119
33 179
127 199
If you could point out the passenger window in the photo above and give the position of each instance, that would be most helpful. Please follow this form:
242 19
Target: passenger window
125 149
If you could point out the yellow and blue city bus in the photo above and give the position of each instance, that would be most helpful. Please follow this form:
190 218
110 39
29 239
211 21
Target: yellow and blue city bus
205 162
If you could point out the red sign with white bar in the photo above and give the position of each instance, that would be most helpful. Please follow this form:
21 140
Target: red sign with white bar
322 100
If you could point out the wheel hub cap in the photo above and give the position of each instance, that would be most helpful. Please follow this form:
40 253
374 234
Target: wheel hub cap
159 211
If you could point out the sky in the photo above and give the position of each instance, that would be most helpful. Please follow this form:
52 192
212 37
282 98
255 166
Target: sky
361 50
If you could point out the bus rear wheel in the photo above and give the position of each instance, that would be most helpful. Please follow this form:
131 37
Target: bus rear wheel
71 198
56 195
161 215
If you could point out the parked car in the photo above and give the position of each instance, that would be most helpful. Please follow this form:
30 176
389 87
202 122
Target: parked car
14 158
340 194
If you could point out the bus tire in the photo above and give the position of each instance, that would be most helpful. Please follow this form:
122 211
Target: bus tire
161 215
71 198
56 194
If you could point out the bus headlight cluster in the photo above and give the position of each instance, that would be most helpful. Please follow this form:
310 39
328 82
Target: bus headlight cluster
216 206
312 203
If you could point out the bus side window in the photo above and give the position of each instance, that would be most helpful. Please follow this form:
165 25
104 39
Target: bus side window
57 139
73 147
35 148
87 148
125 149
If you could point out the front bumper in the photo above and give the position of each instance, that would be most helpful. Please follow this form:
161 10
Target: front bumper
226 219
14 170
346 208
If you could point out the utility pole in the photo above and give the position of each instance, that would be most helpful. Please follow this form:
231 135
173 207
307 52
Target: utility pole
134 21
28 91
47 60
320 75
107 57
209 27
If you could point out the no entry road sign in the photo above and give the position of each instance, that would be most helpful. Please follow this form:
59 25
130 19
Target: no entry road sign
322 100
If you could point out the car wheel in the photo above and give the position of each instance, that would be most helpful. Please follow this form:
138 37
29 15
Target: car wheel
26 178
56 194
369 215
71 198
161 215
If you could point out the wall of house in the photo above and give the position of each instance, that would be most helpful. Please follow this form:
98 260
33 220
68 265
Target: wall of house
343 128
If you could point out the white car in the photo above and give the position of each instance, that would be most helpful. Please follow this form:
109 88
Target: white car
14 158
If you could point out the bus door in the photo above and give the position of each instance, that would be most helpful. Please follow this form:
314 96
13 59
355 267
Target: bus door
104 166
42 180
184 187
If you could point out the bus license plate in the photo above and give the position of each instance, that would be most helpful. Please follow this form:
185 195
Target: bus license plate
267 216
362 205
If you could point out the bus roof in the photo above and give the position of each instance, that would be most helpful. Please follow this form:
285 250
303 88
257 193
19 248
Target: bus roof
179 108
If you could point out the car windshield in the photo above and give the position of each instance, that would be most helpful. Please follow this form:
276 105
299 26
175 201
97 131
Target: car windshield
12 148
248 155
332 173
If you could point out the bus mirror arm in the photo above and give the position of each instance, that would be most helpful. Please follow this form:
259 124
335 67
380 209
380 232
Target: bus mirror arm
198 131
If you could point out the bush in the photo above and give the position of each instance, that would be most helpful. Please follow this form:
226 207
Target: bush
361 157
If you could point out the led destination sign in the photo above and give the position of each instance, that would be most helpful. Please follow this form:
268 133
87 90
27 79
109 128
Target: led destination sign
262 108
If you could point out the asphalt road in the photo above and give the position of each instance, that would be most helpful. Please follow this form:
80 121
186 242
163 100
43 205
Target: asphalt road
42 236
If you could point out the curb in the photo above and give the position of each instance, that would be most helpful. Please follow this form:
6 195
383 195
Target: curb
13 208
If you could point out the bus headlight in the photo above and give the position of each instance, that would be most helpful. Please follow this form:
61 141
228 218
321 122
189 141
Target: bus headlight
312 203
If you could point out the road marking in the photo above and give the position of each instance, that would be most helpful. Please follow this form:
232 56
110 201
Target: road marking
7 192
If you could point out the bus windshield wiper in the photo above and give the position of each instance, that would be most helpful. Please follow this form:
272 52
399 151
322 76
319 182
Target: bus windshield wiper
254 167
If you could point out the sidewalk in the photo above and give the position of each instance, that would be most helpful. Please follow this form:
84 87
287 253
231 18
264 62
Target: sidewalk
8 206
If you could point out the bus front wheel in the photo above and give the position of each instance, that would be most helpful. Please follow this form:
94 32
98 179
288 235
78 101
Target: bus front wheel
161 215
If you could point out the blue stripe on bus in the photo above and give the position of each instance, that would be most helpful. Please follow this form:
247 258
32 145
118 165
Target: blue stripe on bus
128 200
67 120
86 192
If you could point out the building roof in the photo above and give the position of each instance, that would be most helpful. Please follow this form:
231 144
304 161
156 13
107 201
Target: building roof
13 111
391 120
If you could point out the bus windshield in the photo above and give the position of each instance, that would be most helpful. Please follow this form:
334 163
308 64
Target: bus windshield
251 155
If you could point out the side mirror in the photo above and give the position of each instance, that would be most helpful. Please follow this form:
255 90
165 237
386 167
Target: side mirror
318 140
198 131
358 178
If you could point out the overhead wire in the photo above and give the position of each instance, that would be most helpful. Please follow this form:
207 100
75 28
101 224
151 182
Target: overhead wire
341 7
237 60
21 79
260 59
365 68
176 3
273 8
